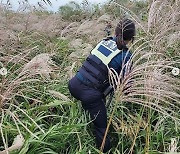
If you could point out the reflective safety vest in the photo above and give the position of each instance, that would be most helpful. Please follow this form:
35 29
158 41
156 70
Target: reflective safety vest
106 51
95 66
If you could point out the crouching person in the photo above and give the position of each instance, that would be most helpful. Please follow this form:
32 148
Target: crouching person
90 82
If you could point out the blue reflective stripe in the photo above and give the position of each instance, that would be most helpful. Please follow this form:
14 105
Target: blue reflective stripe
104 51
82 78
91 68
88 76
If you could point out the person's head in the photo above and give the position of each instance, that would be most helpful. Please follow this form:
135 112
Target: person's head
125 32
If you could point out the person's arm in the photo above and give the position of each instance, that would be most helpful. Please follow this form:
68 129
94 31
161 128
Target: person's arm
118 63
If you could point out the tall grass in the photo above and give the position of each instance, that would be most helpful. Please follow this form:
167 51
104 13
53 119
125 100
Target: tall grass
149 83
29 73
37 110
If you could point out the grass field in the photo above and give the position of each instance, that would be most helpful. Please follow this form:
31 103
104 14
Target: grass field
40 51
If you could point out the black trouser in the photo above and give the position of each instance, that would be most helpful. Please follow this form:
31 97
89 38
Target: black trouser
92 100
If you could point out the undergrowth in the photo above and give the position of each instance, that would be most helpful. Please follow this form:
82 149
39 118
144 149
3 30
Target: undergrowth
36 104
